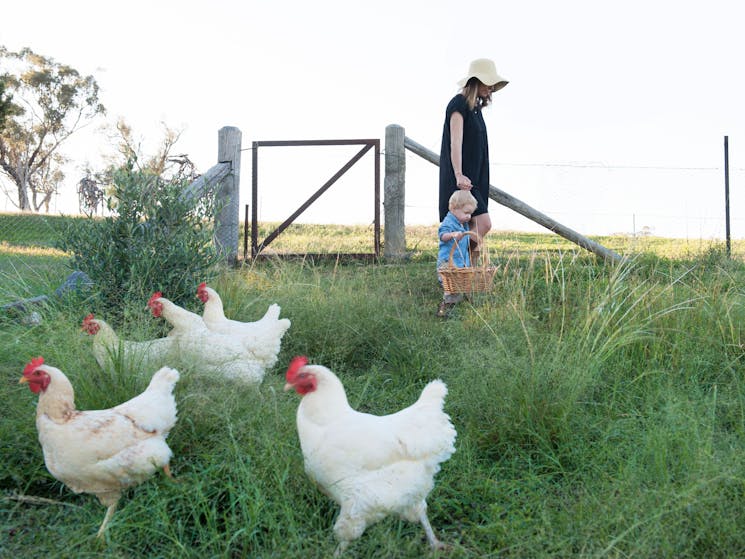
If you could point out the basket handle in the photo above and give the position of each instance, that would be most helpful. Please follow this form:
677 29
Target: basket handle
455 244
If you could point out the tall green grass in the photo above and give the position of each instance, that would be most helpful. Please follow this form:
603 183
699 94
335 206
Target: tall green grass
600 412
29 272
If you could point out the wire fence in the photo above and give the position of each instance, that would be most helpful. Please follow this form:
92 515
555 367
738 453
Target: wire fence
593 199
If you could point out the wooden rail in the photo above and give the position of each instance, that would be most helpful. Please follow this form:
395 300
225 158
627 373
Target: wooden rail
501 197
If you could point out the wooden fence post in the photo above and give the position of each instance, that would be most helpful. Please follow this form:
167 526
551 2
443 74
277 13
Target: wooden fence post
227 221
394 192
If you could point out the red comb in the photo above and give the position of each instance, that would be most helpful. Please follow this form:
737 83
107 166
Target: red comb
153 297
202 294
34 364
296 364
87 323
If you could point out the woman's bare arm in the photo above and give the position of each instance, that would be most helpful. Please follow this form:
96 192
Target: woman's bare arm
456 151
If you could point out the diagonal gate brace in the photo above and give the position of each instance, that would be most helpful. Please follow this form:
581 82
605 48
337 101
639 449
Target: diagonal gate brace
256 247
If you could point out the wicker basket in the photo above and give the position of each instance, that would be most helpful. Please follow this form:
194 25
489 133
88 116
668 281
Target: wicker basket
469 279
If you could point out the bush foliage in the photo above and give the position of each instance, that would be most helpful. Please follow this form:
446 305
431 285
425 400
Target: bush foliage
155 239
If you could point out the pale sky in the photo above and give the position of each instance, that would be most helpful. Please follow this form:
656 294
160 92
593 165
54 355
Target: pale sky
614 117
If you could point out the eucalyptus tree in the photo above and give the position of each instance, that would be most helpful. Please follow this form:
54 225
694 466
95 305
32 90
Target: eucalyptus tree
50 102
5 106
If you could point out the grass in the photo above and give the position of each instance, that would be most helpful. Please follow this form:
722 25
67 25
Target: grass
27 272
600 409
422 239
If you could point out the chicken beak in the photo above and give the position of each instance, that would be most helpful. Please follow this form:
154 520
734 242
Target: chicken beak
22 380
288 386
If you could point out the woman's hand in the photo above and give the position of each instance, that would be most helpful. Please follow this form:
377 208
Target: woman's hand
463 182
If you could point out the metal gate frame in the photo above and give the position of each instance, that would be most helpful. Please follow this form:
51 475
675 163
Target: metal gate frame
257 247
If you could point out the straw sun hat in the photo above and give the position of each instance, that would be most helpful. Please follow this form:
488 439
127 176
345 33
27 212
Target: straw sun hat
486 72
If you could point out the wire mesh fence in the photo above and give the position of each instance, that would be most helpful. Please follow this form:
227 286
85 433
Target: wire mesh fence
592 199
25 229
597 199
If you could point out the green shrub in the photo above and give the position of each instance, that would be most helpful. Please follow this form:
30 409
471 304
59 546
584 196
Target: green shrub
155 240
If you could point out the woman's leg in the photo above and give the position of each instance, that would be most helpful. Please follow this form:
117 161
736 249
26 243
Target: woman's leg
481 225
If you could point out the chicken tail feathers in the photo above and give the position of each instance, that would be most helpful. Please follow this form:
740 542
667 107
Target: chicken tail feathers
272 313
434 392
164 380
425 428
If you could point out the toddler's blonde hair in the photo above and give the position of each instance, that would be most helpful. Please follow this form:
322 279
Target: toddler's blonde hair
461 199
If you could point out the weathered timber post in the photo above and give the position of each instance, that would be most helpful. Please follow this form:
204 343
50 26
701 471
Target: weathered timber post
394 193
227 221
501 197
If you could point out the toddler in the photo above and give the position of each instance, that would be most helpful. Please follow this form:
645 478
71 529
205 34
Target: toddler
454 229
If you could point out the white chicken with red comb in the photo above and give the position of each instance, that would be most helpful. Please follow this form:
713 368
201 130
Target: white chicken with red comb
198 347
102 452
370 465
262 337
109 348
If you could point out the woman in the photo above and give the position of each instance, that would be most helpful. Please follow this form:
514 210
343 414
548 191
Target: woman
464 155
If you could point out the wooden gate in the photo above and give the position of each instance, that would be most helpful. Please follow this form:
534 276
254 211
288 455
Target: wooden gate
256 245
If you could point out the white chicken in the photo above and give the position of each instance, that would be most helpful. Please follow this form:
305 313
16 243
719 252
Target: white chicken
198 346
370 465
109 349
102 452
181 320
263 337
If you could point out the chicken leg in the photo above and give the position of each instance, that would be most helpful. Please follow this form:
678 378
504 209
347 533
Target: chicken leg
109 514
340 549
434 543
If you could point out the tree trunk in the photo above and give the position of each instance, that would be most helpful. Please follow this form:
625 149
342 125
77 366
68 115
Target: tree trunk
22 184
